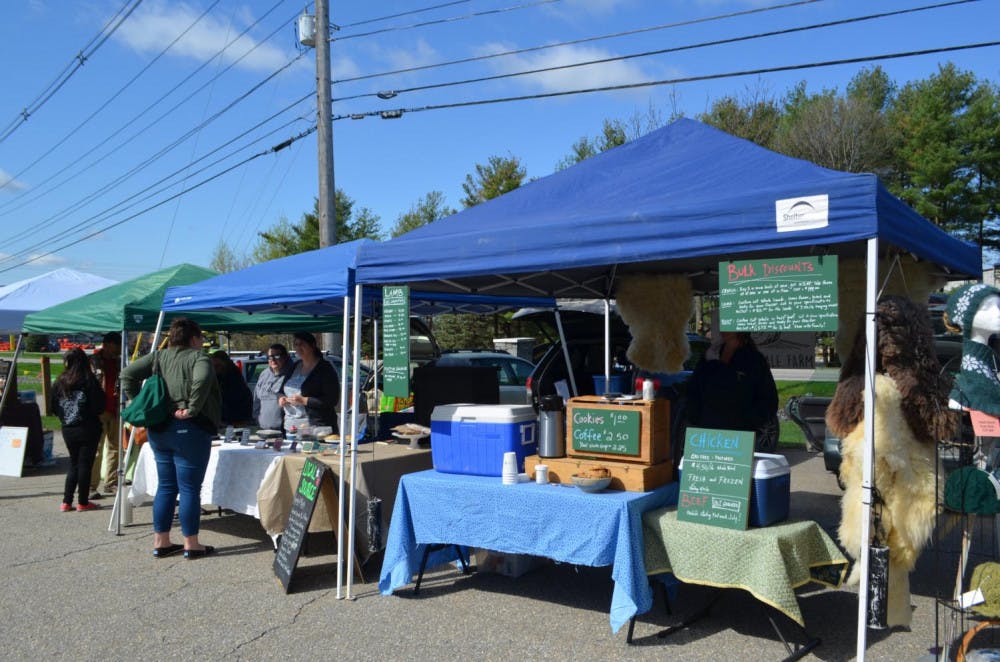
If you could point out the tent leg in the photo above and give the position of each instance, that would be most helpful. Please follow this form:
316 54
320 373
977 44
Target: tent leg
565 349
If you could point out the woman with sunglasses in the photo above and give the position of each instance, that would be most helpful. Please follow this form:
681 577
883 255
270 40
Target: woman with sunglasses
266 410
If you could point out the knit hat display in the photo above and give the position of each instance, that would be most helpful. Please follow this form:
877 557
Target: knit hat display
963 304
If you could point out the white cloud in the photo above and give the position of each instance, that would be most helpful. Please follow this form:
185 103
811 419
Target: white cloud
46 260
594 75
154 25
10 185
596 6
422 53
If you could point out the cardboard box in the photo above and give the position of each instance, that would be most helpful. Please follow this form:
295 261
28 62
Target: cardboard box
502 563
471 439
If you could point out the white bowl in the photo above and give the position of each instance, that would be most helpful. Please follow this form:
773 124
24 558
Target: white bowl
590 484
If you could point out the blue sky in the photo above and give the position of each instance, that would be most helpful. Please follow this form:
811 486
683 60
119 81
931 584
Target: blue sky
125 131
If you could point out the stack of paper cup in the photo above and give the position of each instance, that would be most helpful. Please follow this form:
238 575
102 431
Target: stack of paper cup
509 473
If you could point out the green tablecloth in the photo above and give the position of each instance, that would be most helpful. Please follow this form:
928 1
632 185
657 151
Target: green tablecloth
768 562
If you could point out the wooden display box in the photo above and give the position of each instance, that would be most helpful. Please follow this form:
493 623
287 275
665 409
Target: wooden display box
627 476
619 430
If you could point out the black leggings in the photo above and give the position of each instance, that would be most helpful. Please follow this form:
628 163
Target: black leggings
82 445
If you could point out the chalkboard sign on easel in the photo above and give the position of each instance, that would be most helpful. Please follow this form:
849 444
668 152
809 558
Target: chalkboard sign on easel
780 294
396 341
715 481
303 504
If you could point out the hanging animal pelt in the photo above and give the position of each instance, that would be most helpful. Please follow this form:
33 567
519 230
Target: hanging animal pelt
657 309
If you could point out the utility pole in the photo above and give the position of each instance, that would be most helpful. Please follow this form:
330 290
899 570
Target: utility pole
324 135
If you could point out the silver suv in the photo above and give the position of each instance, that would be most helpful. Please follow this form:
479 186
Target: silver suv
512 371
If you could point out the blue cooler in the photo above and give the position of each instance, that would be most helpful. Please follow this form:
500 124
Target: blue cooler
471 439
771 491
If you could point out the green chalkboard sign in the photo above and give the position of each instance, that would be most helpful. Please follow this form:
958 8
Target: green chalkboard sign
396 341
303 506
614 431
715 480
787 294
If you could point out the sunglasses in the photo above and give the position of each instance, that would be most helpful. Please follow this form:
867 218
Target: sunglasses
274 357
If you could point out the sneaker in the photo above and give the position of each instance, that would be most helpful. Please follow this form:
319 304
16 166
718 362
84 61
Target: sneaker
96 495
66 507
87 506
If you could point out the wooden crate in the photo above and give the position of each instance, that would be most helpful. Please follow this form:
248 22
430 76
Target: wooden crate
591 430
628 476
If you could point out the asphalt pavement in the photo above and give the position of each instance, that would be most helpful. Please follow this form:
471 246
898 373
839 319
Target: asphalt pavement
74 590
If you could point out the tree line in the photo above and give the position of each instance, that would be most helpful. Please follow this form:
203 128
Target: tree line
934 143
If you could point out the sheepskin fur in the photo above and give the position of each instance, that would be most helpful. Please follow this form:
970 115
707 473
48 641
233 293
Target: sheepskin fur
910 417
656 309
904 476
915 280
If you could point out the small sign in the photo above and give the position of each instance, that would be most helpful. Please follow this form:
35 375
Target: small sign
396 340
13 442
715 481
983 424
614 431
311 482
782 294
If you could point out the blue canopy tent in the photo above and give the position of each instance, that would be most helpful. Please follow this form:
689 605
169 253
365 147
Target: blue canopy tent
315 283
678 200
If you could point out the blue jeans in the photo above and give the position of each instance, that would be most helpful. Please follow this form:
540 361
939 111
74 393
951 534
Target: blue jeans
181 452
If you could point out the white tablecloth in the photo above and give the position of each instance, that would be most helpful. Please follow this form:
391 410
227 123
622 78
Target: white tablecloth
231 481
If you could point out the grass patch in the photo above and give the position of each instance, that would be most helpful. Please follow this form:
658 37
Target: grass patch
791 436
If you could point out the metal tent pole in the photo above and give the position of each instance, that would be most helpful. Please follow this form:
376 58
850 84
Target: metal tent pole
569 366
342 429
356 399
9 380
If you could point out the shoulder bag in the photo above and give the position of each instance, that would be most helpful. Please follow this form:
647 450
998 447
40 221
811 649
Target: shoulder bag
151 406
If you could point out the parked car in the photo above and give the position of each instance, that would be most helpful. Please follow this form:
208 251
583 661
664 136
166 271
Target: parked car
512 371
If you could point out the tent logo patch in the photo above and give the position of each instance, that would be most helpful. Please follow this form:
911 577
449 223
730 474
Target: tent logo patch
805 213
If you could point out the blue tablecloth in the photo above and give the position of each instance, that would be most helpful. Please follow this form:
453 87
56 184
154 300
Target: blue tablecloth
556 521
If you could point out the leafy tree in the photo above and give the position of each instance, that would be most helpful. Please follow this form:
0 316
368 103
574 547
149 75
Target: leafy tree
849 133
286 238
614 133
949 152
224 259
500 175
755 115
426 210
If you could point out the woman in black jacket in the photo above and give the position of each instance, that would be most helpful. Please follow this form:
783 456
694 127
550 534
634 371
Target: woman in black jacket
311 392
78 401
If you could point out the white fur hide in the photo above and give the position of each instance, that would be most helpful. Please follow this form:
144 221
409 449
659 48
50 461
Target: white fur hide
657 309
904 475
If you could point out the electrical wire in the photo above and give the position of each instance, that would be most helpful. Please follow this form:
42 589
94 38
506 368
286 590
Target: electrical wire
452 19
72 132
187 190
71 69
40 191
110 210
404 13
574 42
661 51
398 112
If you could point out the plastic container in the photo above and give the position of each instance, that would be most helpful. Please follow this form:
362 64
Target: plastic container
771 490
471 439
772 486
616 384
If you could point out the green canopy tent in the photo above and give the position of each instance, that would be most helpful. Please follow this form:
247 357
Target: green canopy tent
135 305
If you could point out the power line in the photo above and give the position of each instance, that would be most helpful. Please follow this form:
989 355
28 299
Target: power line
398 112
39 191
661 51
404 13
198 185
574 42
114 96
452 19
71 69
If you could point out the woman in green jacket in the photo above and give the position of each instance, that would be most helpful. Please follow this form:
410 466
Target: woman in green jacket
183 444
